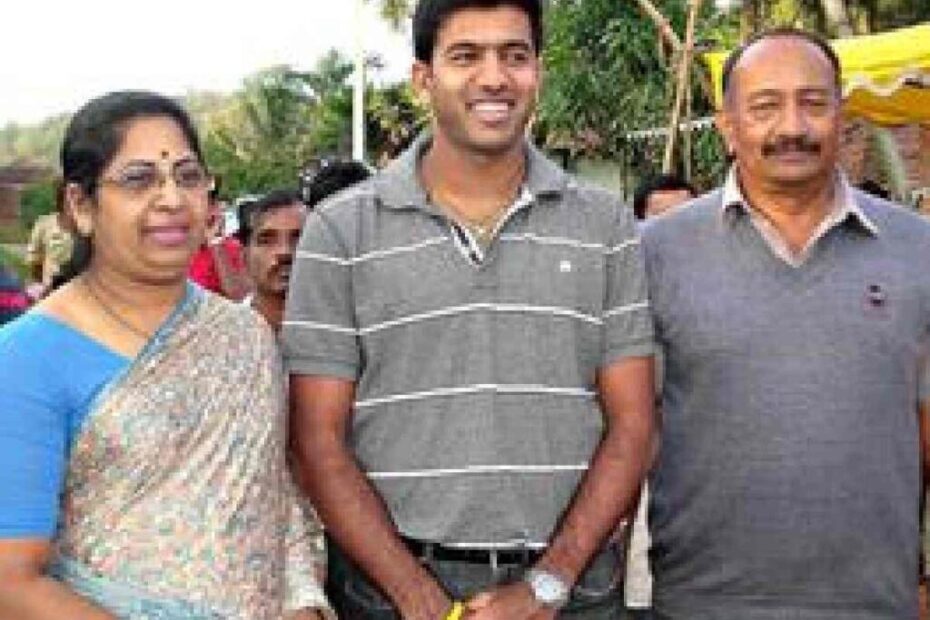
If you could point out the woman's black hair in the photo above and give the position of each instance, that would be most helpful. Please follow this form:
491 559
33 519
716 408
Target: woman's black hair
95 135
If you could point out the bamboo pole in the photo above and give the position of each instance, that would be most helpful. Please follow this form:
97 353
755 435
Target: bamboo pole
358 86
665 27
684 71
668 34
687 152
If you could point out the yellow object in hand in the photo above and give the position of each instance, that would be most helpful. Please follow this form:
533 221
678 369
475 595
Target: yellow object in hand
456 612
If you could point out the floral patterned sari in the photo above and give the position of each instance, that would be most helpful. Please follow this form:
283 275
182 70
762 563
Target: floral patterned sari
178 502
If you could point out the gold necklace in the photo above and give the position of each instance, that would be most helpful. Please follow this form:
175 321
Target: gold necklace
482 228
113 314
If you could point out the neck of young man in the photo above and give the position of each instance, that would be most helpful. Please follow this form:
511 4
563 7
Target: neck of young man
270 306
475 185
795 210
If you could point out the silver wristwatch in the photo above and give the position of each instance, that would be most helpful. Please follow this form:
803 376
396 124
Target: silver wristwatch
548 588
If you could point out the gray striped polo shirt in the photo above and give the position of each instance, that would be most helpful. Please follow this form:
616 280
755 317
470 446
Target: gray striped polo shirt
475 413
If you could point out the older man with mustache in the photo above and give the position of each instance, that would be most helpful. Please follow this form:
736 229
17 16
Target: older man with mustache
792 310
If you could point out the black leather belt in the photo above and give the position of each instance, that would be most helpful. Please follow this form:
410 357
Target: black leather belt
489 557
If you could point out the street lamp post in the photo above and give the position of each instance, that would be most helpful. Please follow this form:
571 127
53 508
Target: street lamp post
358 86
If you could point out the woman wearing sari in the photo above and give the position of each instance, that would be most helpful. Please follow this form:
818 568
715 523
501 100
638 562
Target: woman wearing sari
142 419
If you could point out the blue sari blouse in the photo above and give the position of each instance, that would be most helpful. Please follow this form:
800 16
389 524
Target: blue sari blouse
49 376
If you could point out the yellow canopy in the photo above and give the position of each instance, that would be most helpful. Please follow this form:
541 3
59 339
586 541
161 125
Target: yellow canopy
886 77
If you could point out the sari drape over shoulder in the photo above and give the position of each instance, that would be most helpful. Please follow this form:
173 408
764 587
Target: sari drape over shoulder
178 498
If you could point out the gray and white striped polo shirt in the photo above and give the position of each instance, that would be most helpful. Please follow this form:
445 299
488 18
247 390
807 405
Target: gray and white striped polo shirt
476 413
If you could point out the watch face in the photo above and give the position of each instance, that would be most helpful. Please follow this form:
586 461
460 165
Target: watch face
548 589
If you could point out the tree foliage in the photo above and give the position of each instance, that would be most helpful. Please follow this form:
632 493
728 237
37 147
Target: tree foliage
35 201
260 136
283 119
608 75
864 16
33 144
261 140
395 11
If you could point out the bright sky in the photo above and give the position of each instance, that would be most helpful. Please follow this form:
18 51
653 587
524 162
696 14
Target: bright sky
56 55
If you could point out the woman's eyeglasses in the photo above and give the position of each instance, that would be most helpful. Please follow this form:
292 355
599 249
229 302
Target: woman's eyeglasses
142 178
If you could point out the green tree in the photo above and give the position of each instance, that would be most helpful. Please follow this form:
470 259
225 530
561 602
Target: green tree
35 201
261 140
395 11
394 117
834 18
607 74
36 144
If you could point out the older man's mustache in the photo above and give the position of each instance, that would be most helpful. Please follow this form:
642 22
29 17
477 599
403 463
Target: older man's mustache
790 144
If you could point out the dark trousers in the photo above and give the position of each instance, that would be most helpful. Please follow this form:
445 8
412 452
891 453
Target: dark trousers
598 595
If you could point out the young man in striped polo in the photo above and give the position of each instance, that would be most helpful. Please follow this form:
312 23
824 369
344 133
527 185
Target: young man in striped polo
470 347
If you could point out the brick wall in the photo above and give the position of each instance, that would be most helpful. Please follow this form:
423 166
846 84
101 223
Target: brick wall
9 204
858 157
12 181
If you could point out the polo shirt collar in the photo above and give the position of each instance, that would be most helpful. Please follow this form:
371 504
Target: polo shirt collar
845 208
398 185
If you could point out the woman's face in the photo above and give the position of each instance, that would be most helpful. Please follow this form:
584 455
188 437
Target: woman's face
148 215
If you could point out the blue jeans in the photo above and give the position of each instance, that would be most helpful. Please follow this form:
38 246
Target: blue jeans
598 595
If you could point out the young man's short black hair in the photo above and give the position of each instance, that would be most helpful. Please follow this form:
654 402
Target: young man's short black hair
659 183
333 177
249 212
430 15
778 33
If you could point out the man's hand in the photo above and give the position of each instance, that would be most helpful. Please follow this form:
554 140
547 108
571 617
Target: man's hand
429 601
513 601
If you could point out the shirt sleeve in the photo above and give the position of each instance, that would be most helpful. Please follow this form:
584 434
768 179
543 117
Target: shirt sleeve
203 271
33 436
628 328
235 253
320 330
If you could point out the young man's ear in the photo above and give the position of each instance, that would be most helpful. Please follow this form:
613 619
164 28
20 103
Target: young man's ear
421 77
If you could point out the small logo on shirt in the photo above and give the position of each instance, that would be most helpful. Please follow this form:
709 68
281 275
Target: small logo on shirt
875 300
565 266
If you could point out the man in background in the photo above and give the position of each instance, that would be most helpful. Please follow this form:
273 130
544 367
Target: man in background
50 246
654 196
269 230
333 177
218 265
660 193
